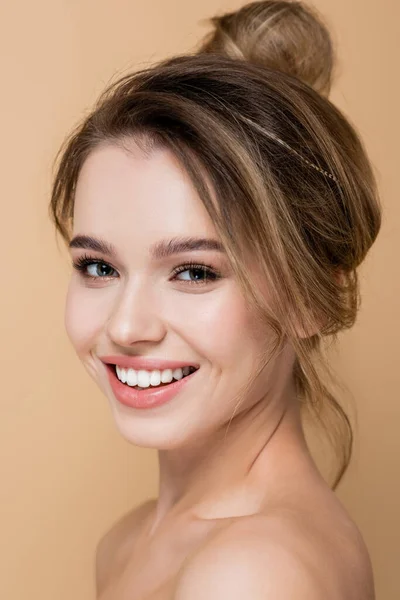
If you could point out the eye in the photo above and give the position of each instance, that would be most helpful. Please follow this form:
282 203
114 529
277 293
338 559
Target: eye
84 262
203 274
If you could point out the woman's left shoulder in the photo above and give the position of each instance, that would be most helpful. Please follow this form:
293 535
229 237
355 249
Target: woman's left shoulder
289 552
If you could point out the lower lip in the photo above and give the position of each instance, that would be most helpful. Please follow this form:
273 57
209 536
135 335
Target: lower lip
148 397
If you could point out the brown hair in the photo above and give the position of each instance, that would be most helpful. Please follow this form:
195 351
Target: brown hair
281 171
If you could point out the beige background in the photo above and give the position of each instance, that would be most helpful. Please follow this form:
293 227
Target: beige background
66 474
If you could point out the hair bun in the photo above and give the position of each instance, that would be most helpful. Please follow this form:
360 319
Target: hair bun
282 35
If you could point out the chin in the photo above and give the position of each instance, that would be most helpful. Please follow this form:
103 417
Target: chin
141 429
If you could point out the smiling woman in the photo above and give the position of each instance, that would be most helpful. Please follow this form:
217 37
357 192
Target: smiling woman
216 207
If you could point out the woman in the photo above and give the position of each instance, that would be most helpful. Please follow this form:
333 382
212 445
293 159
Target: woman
230 204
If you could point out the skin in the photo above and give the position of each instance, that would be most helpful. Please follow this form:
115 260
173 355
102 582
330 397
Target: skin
223 481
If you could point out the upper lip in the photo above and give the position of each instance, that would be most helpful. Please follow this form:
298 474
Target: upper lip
147 364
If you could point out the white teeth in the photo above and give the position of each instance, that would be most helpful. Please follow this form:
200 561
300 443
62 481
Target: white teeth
145 379
177 373
131 377
121 373
166 376
155 378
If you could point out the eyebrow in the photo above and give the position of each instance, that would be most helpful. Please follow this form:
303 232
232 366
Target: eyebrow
158 250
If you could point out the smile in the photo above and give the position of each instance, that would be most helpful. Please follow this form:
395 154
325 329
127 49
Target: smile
137 396
142 378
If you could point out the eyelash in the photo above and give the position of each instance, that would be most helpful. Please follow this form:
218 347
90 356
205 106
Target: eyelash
84 261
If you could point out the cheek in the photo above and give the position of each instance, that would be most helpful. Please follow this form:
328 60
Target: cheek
221 328
82 319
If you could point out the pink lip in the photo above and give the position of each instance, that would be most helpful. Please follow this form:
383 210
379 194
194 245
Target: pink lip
148 397
147 364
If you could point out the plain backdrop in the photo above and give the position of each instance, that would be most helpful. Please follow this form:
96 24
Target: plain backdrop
66 473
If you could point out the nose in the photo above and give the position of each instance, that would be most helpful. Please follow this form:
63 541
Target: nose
136 316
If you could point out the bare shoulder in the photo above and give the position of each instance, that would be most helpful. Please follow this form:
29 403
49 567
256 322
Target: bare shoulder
110 547
280 556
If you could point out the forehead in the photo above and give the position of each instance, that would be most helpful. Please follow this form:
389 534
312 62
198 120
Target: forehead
141 192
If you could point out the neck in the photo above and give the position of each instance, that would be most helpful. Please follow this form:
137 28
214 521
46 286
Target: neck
235 470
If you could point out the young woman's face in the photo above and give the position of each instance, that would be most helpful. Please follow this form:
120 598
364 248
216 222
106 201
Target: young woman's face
134 304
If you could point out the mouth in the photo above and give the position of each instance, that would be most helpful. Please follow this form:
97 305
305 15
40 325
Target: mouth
146 395
159 380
